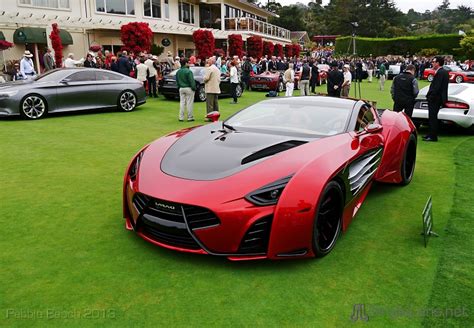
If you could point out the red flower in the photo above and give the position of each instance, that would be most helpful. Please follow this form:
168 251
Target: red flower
4 45
57 45
255 46
236 45
136 36
289 50
278 50
205 43
268 48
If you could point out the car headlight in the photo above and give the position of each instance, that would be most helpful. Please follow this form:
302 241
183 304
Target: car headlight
132 173
6 94
268 194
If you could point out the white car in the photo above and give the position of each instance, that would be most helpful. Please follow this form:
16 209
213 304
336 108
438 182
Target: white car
459 108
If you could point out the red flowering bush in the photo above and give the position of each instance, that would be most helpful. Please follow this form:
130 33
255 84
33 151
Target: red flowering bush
268 48
296 50
136 37
219 52
255 47
205 43
289 50
57 45
95 47
236 45
4 45
278 50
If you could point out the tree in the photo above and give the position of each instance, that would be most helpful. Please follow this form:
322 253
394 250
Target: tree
268 48
255 47
136 37
205 43
467 45
236 45
290 17
57 45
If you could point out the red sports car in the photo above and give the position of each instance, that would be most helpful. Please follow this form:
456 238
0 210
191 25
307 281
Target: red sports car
280 179
456 74
268 80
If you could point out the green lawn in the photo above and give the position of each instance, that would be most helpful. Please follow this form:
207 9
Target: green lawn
66 258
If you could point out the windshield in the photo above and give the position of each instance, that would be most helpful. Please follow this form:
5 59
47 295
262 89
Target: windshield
197 71
454 68
292 118
48 76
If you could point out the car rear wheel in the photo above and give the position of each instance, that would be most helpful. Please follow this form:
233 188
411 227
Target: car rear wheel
328 220
281 87
459 79
430 78
33 107
201 94
127 101
409 159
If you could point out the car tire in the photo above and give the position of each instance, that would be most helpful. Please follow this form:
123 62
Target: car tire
409 159
239 90
430 78
127 101
328 219
459 79
33 107
201 94
281 86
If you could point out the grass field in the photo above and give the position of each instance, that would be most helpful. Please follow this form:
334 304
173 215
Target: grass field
66 259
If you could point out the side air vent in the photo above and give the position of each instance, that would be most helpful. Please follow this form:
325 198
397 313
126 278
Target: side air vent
272 150
363 169
256 239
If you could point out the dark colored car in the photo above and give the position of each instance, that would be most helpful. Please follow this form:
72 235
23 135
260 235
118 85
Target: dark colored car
456 74
280 179
70 89
169 89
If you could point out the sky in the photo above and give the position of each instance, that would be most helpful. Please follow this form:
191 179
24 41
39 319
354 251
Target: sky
403 5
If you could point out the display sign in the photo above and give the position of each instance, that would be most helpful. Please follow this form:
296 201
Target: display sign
427 216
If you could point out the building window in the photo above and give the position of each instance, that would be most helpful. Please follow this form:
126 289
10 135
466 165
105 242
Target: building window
152 8
231 12
186 12
167 9
118 7
57 4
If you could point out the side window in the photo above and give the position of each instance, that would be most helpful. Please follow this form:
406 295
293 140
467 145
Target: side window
107 76
82 76
365 117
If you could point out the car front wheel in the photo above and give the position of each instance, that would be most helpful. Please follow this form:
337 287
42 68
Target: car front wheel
127 101
239 91
459 79
430 78
201 94
409 159
33 107
328 220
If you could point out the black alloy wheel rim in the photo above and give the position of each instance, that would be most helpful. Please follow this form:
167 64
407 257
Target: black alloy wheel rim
329 220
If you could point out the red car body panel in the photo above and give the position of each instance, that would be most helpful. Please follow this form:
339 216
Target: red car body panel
466 76
291 233
265 81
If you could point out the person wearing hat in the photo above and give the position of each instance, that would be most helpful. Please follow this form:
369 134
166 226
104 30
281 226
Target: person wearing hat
346 85
176 64
15 73
334 81
27 68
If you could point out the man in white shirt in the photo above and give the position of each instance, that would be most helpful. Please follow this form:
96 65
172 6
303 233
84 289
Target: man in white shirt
71 63
234 80
151 76
27 68
346 85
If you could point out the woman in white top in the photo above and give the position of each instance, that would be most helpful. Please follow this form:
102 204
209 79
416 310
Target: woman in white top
289 79
142 72
234 80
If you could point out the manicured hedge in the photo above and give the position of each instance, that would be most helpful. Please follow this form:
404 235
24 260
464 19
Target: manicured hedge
398 46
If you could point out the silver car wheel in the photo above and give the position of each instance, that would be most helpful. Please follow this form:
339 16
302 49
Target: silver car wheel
459 79
202 94
128 101
33 107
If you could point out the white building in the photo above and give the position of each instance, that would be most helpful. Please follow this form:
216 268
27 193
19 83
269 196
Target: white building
27 23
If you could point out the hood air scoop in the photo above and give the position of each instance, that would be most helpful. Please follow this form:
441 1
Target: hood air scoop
272 150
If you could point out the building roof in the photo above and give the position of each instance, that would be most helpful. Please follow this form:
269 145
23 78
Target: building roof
262 10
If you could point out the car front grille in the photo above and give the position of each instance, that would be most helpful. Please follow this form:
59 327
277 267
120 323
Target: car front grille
167 222
256 239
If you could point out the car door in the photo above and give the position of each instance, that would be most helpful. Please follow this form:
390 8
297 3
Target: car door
77 91
225 85
368 145
110 86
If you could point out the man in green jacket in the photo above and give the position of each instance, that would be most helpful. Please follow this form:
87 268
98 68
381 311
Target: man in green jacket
382 75
187 88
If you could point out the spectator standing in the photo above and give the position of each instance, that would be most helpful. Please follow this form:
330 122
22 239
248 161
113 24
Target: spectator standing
234 80
334 81
16 75
90 62
114 64
437 95
346 85
48 60
370 70
246 70
187 88
142 72
152 72
212 80
404 91
123 64
70 62
176 64
314 76
305 77
27 68
289 79
382 76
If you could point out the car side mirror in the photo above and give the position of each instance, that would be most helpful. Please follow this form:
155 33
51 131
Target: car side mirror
373 128
213 116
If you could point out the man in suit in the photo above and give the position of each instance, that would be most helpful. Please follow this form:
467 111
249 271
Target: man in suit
212 80
404 91
334 81
437 95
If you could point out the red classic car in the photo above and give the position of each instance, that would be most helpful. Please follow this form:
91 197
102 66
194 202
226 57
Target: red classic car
267 81
456 74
